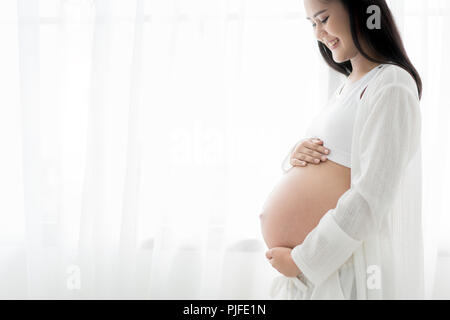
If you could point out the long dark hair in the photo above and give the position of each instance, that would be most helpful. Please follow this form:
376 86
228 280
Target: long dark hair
385 42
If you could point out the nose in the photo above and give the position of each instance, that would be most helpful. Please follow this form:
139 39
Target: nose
320 32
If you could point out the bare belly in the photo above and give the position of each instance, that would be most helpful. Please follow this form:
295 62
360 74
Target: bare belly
299 200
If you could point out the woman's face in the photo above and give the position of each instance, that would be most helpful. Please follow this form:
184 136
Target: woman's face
331 25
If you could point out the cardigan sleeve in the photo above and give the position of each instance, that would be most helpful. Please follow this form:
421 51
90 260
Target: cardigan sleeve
389 137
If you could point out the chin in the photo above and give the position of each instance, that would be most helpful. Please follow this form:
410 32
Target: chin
340 58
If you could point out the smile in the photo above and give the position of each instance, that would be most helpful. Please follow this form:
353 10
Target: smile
333 44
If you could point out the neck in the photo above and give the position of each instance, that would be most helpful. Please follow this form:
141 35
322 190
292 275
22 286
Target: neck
360 66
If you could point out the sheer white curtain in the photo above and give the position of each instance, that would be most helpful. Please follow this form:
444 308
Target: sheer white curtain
140 139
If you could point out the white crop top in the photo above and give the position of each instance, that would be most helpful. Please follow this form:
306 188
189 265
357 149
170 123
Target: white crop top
334 123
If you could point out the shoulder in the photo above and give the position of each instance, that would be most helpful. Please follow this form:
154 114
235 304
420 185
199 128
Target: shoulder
392 89
393 76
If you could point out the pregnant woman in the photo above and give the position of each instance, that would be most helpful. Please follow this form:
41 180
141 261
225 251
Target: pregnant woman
345 221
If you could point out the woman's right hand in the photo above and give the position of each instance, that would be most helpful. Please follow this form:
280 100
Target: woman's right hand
308 151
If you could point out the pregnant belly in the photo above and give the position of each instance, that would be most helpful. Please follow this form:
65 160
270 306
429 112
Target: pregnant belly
299 200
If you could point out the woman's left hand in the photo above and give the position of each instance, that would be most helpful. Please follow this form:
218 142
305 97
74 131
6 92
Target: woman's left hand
280 258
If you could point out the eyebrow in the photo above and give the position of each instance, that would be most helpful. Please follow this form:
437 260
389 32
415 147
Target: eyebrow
322 11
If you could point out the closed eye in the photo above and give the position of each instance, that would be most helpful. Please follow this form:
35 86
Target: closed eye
323 21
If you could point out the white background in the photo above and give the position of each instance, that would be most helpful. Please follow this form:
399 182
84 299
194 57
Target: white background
139 140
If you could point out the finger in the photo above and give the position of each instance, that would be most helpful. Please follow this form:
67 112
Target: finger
299 146
315 154
318 148
296 162
305 158
269 254
316 140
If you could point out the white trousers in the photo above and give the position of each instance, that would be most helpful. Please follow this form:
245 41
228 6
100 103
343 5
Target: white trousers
339 286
